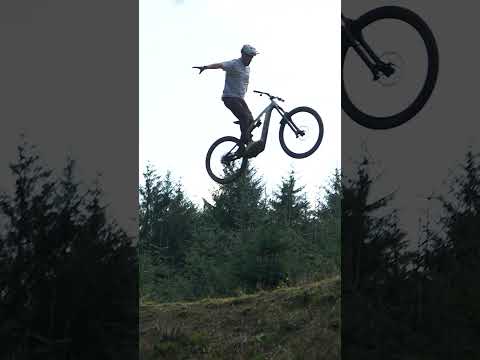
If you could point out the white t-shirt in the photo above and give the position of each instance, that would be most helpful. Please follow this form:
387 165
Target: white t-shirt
236 78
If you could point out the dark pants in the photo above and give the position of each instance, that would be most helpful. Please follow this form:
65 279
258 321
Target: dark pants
239 108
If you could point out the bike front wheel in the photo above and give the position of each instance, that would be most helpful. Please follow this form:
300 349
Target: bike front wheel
301 132
392 100
222 163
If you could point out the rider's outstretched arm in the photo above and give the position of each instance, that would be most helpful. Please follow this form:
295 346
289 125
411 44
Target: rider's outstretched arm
212 66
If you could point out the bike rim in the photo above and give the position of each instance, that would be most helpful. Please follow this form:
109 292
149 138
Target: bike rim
223 164
387 97
308 124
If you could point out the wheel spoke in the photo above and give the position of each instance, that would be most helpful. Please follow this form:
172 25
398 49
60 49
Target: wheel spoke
304 133
394 97
223 165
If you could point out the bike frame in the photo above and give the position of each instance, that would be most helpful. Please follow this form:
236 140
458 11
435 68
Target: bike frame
358 43
268 114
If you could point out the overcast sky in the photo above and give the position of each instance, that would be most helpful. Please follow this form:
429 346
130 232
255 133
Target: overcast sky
68 80
181 112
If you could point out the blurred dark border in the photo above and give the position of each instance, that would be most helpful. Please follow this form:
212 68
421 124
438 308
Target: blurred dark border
69 88
410 212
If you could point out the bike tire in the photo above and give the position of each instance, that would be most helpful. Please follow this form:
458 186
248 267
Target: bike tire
233 176
389 122
317 142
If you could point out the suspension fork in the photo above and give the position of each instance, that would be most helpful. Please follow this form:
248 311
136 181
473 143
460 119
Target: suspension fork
357 41
287 120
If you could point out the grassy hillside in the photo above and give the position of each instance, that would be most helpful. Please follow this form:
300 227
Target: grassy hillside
289 323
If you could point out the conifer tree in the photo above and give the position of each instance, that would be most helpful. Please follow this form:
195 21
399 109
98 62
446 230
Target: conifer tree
67 272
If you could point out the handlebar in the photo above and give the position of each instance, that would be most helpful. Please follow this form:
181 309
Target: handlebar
269 95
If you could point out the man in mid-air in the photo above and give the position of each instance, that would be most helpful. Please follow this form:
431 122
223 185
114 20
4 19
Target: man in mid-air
237 74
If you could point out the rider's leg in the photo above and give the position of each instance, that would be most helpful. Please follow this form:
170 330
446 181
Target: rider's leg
248 113
240 109
249 118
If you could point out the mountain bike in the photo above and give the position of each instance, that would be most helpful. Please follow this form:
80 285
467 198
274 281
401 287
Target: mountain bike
374 47
300 135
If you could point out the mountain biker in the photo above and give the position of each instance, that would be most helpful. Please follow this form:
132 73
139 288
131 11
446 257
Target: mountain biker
237 72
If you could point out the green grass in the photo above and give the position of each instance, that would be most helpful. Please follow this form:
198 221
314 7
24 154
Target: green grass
289 323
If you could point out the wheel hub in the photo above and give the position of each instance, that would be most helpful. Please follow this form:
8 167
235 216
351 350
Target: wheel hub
391 73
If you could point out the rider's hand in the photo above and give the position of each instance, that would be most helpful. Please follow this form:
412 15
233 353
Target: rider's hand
201 68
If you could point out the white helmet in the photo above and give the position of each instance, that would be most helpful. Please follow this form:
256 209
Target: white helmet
249 50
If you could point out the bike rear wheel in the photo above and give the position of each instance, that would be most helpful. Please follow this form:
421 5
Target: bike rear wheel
223 166
303 144
369 27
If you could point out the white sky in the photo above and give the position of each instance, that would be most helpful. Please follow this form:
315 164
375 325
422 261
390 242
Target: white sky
181 112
